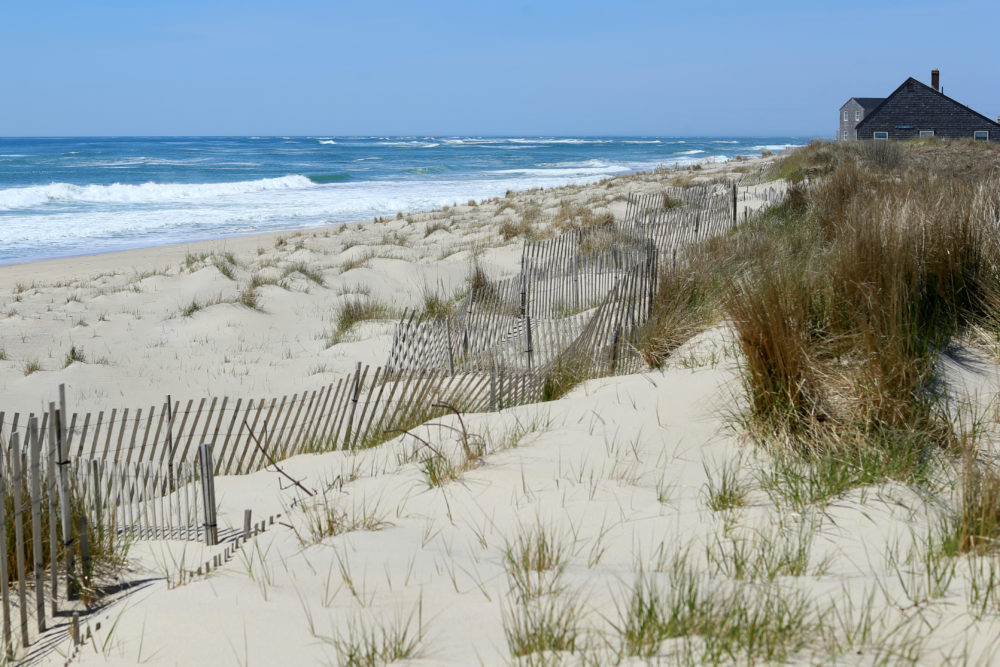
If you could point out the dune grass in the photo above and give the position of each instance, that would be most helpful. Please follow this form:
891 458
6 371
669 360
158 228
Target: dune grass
842 299
351 312
848 293
304 269
712 622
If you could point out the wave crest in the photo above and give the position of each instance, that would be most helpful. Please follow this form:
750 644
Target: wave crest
145 193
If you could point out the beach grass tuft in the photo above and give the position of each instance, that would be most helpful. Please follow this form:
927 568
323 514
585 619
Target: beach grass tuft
75 355
351 312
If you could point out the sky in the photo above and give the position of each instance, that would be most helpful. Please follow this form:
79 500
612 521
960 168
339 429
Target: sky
575 67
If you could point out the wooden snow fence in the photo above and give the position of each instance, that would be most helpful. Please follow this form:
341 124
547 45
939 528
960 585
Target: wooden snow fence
581 295
358 410
524 323
59 515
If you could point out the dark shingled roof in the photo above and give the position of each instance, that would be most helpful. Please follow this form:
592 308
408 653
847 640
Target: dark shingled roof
868 102
869 113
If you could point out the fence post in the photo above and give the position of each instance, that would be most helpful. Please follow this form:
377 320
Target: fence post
355 392
734 203
37 545
18 484
527 319
53 481
208 493
500 393
95 476
451 355
493 389
4 574
246 524
576 280
170 439
614 350
62 461
81 522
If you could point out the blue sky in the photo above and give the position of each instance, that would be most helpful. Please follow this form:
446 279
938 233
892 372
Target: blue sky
565 68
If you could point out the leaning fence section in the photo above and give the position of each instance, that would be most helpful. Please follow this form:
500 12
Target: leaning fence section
580 297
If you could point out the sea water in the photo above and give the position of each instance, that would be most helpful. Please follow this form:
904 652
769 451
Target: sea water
70 196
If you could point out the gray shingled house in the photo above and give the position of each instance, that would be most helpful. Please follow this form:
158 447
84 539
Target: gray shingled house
913 110
851 114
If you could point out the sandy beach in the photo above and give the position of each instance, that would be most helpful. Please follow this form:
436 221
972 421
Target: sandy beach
572 512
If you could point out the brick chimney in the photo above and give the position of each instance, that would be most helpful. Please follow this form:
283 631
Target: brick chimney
935 79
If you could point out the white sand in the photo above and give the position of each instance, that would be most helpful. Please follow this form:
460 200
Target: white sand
617 470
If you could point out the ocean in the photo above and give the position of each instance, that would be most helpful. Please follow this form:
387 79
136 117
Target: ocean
62 197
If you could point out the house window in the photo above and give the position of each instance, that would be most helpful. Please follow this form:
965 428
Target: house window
926 133
845 116
845 135
857 116
981 135
880 136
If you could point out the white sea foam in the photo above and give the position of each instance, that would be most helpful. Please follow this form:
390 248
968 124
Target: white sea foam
724 141
207 210
327 142
472 141
774 147
694 151
560 141
142 161
586 168
145 193
415 144
637 141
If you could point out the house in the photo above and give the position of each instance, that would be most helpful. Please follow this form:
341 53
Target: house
914 110
851 114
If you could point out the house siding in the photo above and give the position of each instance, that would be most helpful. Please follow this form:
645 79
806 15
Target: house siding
915 107
848 125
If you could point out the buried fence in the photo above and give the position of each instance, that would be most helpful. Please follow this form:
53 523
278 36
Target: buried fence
580 297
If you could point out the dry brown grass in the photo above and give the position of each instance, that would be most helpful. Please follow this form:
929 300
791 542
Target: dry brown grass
975 524
862 281
570 216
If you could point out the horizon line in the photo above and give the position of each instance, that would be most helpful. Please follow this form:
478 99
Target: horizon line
369 136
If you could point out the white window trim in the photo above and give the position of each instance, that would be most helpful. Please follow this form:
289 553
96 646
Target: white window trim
978 132
926 133
845 135
875 136
857 116
845 116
